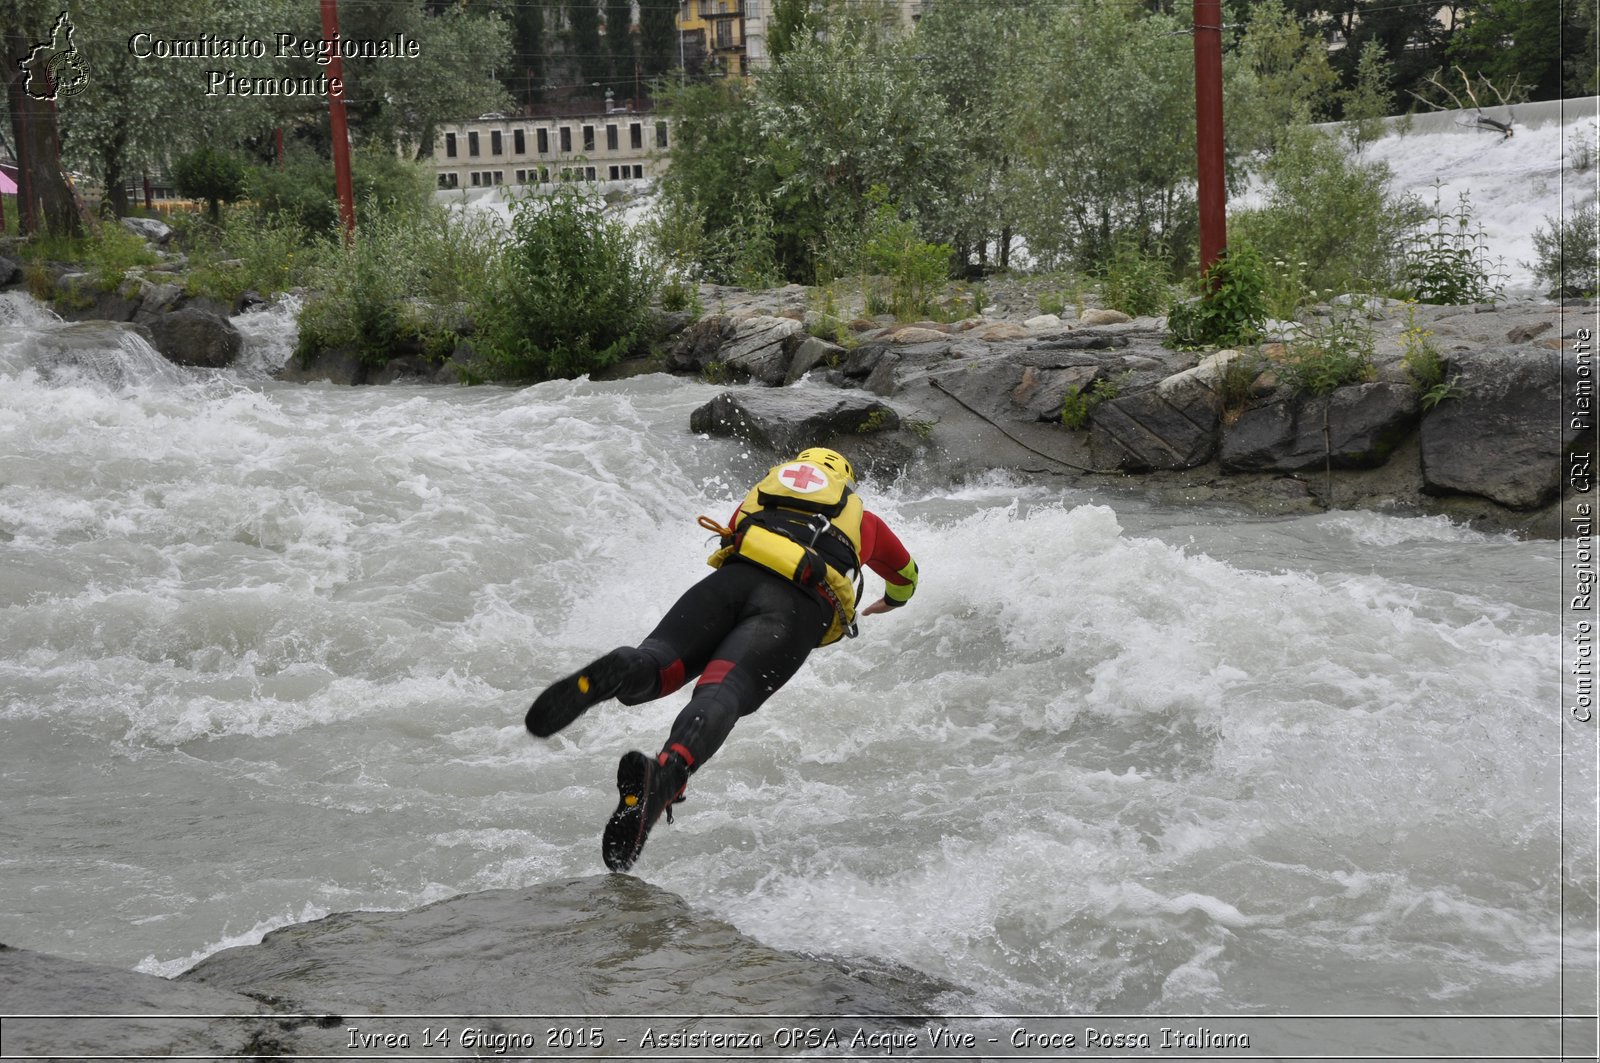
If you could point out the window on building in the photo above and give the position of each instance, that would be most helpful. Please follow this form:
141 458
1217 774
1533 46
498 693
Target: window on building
661 134
543 137
477 179
497 145
588 173
472 144
449 145
611 174
638 172
519 141
636 136
612 138
724 33
499 177
588 138
566 140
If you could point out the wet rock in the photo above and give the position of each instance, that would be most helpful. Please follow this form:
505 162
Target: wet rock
10 272
335 365
153 1014
1354 427
79 297
608 944
787 420
196 337
156 299
1502 435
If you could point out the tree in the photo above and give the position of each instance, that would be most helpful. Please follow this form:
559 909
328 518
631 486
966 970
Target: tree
979 46
1367 103
212 175
1292 81
1505 41
792 23
1111 157
525 76
852 110
583 20
658 37
44 195
619 43
402 101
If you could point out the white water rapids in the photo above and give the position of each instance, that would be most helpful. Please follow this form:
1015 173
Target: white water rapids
266 650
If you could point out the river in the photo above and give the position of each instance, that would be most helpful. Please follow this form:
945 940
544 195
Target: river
266 650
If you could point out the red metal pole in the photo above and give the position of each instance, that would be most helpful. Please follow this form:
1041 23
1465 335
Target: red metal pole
1213 190
336 119
277 141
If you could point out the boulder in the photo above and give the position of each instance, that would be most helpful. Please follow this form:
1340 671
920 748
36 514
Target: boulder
155 300
784 421
606 944
156 232
812 352
10 272
1503 432
919 334
336 365
1355 427
1043 323
746 345
1095 315
79 297
196 337
1173 425
1002 330
114 354
759 348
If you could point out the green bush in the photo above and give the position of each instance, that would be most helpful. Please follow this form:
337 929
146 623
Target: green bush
907 273
1232 308
1330 212
1446 259
251 251
571 294
399 287
1569 251
1077 406
1135 280
1330 353
304 190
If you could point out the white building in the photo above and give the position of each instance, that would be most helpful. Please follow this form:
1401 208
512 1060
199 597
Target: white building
495 150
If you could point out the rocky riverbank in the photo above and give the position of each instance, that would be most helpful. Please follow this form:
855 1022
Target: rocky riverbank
1085 397
948 401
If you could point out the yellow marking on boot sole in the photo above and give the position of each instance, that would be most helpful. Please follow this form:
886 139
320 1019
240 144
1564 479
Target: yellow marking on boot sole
583 684
630 800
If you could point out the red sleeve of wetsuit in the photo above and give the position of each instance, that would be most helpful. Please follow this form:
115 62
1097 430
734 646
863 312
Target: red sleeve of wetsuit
884 553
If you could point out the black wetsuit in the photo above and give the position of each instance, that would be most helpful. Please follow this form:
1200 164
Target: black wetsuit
744 631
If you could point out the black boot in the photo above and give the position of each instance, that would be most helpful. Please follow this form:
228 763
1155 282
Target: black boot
567 699
648 787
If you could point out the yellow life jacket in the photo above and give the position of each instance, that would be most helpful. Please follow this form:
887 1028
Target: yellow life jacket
804 523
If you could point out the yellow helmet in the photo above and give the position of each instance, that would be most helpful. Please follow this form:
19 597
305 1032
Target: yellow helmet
831 460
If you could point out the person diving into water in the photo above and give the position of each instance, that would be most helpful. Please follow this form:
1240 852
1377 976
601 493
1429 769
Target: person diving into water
787 578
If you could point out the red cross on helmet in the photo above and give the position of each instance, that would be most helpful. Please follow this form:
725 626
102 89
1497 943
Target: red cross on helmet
831 460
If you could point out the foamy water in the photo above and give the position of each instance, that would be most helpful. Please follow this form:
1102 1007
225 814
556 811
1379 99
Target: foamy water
267 648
